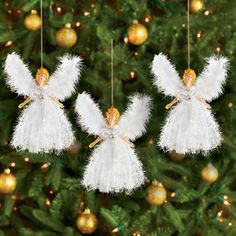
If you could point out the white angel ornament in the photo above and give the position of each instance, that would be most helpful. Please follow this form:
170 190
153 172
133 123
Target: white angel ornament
43 126
190 126
113 165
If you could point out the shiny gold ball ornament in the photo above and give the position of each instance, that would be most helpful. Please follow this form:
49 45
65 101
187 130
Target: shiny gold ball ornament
137 33
66 37
176 156
209 173
33 21
196 6
87 222
7 182
156 194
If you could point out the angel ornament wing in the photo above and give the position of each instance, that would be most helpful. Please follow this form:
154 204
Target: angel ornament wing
42 126
190 126
113 165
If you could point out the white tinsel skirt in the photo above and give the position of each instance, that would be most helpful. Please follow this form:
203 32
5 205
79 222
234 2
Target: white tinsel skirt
42 127
113 167
190 128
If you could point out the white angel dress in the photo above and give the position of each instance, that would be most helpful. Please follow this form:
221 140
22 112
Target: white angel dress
43 126
190 126
113 165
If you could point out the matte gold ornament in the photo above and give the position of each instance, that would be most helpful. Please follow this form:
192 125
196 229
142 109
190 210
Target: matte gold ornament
33 21
196 6
209 173
7 182
87 222
137 33
176 156
66 37
156 194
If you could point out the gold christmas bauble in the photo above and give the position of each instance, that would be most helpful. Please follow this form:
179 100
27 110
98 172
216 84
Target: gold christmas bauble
209 173
176 156
66 37
137 34
87 222
33 21
156 194
7 182
196 5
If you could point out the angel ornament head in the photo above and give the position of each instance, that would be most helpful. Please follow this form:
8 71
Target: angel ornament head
42 77
189 78
112 116
190 127
43 126
113 165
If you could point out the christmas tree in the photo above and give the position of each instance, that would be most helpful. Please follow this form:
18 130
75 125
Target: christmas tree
42 194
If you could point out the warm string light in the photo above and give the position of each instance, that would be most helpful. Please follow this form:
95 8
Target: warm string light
14 197
126 40
87 13
47 202
151 141
18 11
77 23
132 74
218 50
199 34
51 191
230 104
226 202
45 165
8 43
173 194
13 164
206 13
93 5
218 215
148 19
26 159
58 10
117 229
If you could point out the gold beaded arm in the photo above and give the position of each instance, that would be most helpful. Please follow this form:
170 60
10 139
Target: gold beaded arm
128 142
57 102
207 105
27 100
98 139
169 105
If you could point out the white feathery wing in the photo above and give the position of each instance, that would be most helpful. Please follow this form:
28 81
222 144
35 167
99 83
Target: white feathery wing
62 82
209 84
89 115
133 122
166 78
19 77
